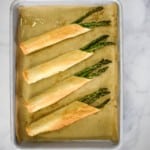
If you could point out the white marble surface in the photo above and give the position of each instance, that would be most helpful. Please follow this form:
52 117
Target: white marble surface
136 118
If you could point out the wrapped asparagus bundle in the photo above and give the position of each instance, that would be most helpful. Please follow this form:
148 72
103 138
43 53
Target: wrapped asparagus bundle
62 33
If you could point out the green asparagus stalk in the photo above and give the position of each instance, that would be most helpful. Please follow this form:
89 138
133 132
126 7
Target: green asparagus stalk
101 38
98 43
94 73
88 14
89 99
94 70
103 104
95 24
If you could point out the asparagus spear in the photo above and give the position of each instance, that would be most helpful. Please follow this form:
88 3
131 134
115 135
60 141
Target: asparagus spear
89 99
88 14
98 46
98 43
94 70
103 104
93 73
101 38
95 24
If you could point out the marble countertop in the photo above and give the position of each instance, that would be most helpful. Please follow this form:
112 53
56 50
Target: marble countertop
136 105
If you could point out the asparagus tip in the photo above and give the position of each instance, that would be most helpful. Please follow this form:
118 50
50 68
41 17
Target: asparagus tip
103 104
95 24
99 8
99 39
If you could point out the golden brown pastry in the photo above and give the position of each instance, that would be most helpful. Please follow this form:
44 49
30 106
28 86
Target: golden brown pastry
61 118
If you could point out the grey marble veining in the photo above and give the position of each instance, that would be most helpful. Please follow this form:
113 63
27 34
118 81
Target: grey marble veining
136 117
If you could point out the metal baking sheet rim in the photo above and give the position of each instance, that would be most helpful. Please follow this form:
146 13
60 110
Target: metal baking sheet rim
100 144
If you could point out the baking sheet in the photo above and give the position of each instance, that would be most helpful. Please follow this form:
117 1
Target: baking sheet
13 25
